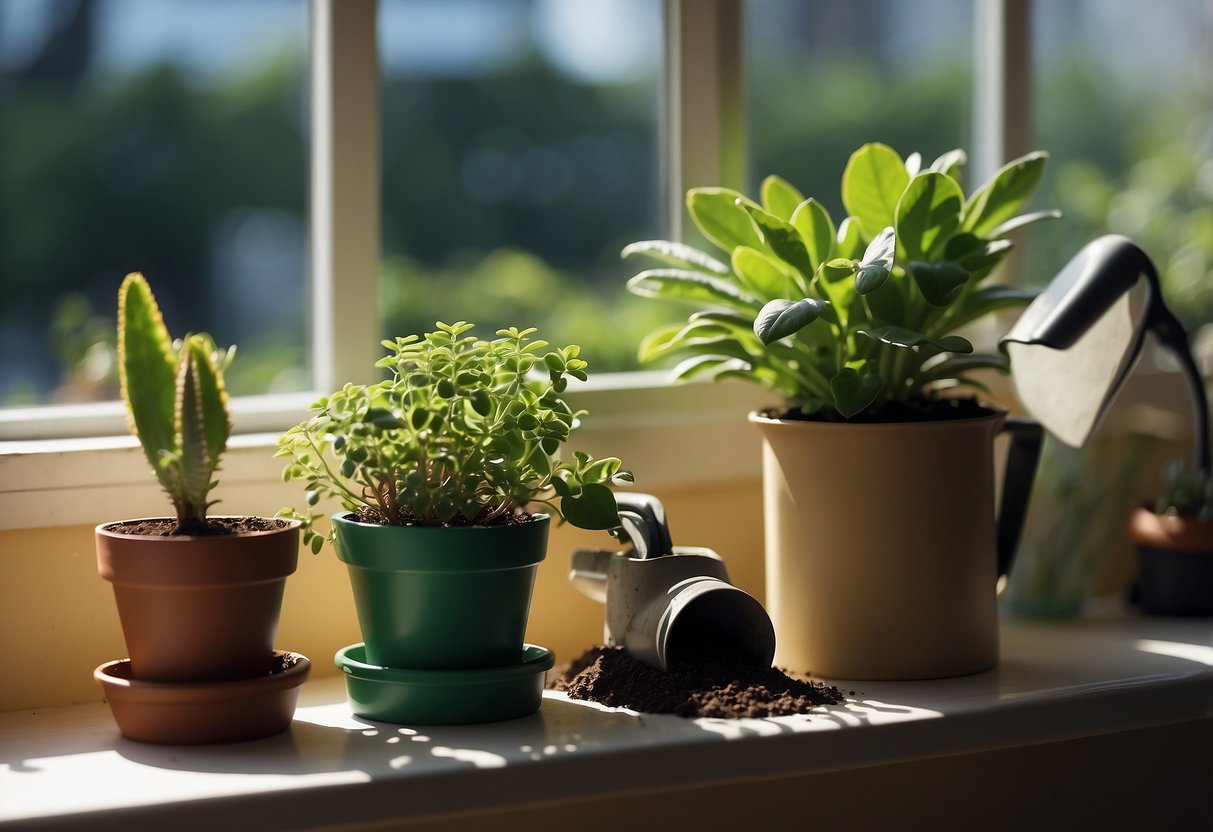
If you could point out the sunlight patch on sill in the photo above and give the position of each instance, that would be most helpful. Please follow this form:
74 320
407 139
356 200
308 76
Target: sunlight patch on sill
1199 653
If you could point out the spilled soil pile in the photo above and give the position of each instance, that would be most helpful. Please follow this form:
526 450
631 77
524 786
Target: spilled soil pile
702 686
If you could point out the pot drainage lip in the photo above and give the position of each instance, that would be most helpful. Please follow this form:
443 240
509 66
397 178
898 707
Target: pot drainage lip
117 674
534 660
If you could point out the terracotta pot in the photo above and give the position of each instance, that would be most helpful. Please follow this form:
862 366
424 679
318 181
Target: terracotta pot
198 608
204 712
881 548
1176 563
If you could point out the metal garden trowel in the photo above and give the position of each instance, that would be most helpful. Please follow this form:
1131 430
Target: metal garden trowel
666 603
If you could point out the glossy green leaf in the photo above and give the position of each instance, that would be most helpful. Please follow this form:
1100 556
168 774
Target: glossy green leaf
783 239
717 214
950 163
986 299
679 255
1008 190
680 284
928 213
872 184
849 241
779 197
939 283
781 318
953 366
887 304
695 338
853 392
876 264
1022 221
816 231
711 366
975 255
765 276
899 336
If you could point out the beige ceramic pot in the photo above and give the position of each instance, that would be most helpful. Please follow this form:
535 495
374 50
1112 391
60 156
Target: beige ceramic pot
198 608
881 552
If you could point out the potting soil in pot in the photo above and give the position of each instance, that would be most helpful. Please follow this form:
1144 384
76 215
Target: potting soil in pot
705 685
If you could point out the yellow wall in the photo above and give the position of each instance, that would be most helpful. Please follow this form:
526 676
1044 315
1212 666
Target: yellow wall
58 618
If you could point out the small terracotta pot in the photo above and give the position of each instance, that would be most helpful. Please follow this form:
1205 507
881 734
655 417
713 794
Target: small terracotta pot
205 712
198 609
1176 563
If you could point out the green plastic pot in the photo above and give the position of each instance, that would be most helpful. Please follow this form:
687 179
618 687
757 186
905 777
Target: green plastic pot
445 697
442 598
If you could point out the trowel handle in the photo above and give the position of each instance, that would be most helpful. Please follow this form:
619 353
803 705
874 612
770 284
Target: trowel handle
1022 456
643 520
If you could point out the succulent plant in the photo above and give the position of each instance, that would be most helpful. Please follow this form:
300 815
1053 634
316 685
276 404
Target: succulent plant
176 403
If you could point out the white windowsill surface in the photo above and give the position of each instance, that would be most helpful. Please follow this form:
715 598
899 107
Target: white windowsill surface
1056 682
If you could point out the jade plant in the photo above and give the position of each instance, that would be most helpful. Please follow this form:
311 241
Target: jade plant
464 431
849 320
176 403
1186 494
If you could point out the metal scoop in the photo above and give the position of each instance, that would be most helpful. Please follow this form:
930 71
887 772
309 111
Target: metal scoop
666 603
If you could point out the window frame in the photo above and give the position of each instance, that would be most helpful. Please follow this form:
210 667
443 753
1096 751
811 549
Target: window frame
79 450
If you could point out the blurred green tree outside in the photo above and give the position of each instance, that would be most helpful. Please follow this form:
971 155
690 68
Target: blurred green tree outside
507 196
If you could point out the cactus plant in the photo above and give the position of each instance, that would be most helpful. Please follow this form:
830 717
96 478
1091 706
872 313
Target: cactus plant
175 400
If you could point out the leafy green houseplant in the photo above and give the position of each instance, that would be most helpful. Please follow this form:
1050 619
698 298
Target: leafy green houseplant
853 325
854 320
1174 539
438 468
198 597
461 434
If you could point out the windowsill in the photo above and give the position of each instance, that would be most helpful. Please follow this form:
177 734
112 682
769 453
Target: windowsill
657 430
1057 682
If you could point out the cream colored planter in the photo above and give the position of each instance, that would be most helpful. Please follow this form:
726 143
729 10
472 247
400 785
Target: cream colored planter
881 557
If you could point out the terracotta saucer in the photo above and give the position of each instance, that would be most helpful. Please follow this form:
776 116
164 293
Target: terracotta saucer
204 712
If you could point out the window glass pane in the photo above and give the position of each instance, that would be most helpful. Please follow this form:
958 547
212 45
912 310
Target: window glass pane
1123 101
825 77
1123 98
162 136
519 157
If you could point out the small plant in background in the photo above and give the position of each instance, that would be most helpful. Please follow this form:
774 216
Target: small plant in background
464 432
175 400
1186 494
852 319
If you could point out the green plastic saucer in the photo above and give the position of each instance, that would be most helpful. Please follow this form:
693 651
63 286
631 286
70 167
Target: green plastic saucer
444 697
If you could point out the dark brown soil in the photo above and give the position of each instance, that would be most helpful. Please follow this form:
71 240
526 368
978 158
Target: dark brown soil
913 410
366 514
709 686
215 526
282 662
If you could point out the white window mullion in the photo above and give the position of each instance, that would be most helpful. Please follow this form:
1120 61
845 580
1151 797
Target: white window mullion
703 119
344 192
1002 84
